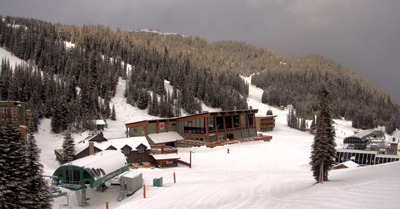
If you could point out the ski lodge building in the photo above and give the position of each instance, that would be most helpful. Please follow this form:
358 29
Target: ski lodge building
207 128
368 148
20 115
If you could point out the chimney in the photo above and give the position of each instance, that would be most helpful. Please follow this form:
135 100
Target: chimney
91 148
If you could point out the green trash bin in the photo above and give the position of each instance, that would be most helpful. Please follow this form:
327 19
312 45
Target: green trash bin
157 182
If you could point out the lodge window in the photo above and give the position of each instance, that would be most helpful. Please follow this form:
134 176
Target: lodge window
228 121
236 121
194 130
126 151
139 160
220 123
251 119
141 150
211 125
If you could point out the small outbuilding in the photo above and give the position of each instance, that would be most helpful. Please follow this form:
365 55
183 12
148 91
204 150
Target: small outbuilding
166 160
347 164
100 125
130 182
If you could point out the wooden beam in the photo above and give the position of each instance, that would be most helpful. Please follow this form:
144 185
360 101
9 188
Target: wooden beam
240 124
233 127
193 117
223 120
133 125
206 127
216 128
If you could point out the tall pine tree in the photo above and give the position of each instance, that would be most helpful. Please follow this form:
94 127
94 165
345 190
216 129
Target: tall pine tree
68 148
14 176
113 114
39 191
323 149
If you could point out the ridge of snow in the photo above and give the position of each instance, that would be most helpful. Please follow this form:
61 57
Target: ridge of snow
157 32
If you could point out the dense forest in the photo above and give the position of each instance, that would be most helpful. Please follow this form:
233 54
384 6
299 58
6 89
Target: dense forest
74 85
297 82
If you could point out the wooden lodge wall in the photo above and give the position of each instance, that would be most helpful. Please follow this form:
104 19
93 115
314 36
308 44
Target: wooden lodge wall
205 127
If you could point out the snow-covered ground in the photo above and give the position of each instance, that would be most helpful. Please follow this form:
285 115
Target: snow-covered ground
273 174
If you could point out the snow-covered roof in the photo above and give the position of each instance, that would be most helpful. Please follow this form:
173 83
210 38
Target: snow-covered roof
166 156
100 122
350 164
165 137
388 156
266 116
357 151
119 143
131 174
109 161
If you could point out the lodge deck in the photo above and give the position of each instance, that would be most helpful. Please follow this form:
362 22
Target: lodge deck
221 143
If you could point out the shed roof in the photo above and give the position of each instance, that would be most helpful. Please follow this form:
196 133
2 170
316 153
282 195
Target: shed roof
351 164
165 137
100 122
170 156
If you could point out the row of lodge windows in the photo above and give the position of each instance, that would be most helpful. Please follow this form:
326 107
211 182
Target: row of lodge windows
196 126
230 122
140 150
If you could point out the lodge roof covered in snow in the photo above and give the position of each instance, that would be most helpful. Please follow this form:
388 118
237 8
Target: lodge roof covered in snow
117 143
165 137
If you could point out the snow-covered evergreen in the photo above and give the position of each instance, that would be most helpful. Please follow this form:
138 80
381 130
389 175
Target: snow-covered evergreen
38 189
14 170
323 149
68 148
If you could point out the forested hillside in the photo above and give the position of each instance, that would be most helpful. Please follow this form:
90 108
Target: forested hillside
74 85
289 80
298 81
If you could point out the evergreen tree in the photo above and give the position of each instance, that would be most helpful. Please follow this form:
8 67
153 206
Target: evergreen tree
14 176
143 99
264 97
68 148
39 191
323 149
303 124
313 126
113 114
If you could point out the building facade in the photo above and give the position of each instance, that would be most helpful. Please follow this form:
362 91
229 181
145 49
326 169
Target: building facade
18 114
207 128
265 123
136 149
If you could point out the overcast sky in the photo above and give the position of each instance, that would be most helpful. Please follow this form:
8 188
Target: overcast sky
362 35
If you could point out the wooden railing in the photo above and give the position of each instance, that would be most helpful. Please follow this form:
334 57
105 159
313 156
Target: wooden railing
222 143
163 150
